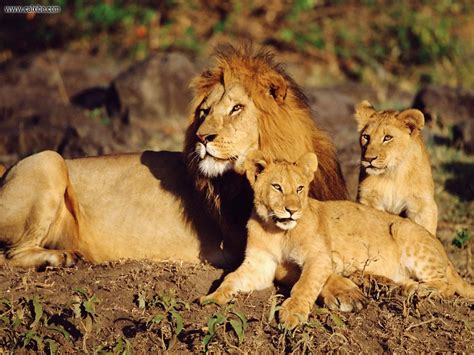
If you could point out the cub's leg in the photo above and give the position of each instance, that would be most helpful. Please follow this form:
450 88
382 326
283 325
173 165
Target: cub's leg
426 260
315 273
256 273
424 213
36 205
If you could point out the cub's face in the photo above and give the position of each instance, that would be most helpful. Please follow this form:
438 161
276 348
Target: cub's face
281 189
228 129
387 138
383 146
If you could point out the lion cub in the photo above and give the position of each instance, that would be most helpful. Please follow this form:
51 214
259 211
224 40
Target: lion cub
327 237
395 173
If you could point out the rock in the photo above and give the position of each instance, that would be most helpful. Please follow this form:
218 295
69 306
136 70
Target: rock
451 108
35 112
153 94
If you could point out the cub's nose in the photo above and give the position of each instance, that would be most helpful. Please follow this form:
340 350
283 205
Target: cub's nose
291 210
206 138
370 159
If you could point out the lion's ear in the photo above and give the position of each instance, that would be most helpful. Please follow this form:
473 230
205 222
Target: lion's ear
309 162
412 118
255 163
277 87
363 112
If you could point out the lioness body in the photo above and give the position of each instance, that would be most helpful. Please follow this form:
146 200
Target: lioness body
395 167
327 237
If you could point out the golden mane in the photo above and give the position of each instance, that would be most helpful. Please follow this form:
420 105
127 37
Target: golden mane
286 126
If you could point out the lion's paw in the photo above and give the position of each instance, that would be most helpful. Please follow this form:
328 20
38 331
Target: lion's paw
292 313
61 258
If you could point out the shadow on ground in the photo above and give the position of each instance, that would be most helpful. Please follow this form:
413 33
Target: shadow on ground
461 183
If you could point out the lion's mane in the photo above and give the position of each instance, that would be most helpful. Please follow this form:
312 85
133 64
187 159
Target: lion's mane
286 128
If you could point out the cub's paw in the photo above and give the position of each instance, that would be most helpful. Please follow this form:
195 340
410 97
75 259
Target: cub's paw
346 300
219 297
430 289
293 313
341 294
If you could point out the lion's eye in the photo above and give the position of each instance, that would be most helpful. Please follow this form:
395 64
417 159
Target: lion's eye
387 138
299 189
365 137
277 187
203 112
236 108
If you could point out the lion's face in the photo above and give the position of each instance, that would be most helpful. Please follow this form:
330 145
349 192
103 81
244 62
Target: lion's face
386 137
280 188
228 129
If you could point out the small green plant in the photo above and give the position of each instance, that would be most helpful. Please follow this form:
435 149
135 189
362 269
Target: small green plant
83 306
168 321
462 238
222 321
121 346
27 326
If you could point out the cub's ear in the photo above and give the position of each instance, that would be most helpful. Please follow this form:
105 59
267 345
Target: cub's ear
277 86
309 162
363 112
412 118
254 164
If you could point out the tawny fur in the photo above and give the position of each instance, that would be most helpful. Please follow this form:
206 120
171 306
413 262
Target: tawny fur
395 172
329 237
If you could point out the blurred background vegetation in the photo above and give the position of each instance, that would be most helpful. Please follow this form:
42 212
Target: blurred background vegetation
403 42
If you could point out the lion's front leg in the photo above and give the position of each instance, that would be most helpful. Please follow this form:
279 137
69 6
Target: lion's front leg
295 310
256 273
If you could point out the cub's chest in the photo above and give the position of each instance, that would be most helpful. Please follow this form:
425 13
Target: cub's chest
296 245
386 195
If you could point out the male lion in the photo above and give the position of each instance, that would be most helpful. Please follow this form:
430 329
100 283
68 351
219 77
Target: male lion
328 237
162 205
395 173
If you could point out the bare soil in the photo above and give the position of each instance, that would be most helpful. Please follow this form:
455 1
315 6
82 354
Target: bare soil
128 295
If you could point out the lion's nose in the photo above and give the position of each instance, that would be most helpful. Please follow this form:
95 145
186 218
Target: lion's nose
206 138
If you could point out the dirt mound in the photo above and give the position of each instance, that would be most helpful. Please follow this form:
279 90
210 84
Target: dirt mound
144 306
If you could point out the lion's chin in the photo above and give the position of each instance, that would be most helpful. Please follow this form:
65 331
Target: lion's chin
374 171
211 167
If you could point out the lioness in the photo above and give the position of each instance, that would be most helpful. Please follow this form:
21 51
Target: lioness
395 173
328 237
168 205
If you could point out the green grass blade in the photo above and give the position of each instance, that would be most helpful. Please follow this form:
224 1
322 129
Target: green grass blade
38 310
179 321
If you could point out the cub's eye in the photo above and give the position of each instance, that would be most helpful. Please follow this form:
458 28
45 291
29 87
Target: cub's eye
299 189
277 187
236 108
387 138
365 137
